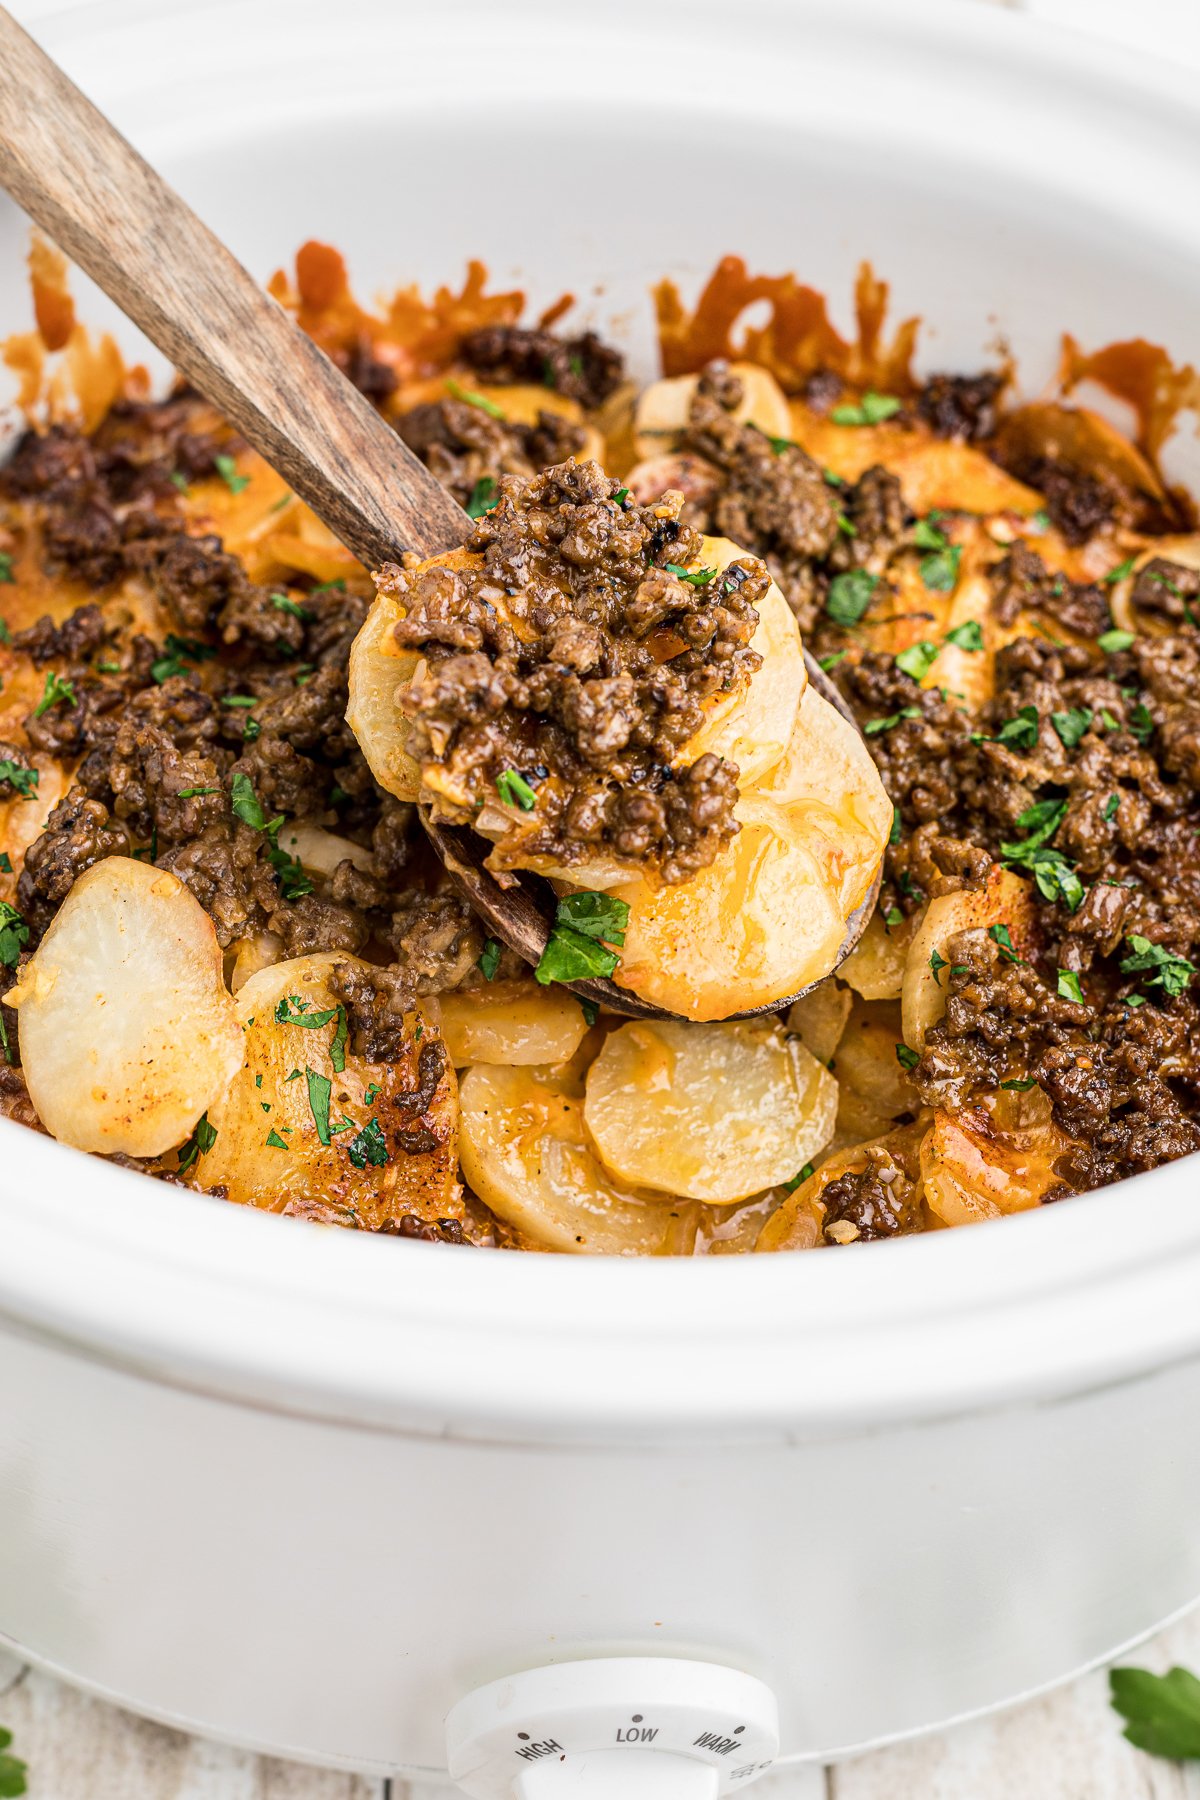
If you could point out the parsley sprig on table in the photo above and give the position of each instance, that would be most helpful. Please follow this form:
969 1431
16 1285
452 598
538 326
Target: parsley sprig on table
12 1769
1162 1712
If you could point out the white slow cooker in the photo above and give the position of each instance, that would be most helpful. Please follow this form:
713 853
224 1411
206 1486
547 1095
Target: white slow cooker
304 1490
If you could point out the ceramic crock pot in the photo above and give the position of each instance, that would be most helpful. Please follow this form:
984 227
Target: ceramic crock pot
303 1490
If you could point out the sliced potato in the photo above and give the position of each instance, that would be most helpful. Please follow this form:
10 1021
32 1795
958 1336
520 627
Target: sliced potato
713 1112
827 780
271 1124
819 1019
1004 900
755 927
875 967
526 1154
320 851
866 1061
661 415
754 726
379 669
513 1023
974 1172
128 1032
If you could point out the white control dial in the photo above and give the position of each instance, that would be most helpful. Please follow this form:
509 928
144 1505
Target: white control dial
641 1727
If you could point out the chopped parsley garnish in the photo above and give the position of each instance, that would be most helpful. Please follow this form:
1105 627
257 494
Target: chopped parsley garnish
804 1174
1041 821
1107 720
1020 1085
908 886
227 469
57 692
928 535
245 803
620 497
177 653
372 1089
1072 725
1111 808
473 398
846 526
292 1010
23 780
1000 936
6 867
285 604
693 577
873 727
967 636
193 793
1020 732
1068 986
939 570
1140 722
1052 872
199 1144
14 934
250 730
275 1141
850 595
1040 520
590 1011
576 949
319 1089
489 959
894 833
1120 572
1113 641
337 1049
1171 973
872 409
179 480
908 1059
370 1146
514 790
937 964
831 662
778 444
6 574
485 495
893 916
1162 1712
239 700
293 882
918 659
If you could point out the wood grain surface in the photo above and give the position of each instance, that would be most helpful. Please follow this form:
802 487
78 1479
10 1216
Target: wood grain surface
93 194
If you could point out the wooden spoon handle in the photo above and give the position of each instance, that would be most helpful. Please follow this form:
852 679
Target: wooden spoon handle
94 195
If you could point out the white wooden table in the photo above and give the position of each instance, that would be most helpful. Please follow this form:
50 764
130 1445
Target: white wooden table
1065 1747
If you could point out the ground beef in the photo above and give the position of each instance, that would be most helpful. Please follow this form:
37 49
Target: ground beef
1079 502
436 940
1167 591
79 832
822 390
376 1002
597 676
1022 582
962 407
872 523
227 871
468 449
18 758
358 362
879 1201
771 497
79 636
583 367
428 1231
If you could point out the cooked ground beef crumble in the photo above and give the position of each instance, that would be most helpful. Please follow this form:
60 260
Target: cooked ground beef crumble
574 653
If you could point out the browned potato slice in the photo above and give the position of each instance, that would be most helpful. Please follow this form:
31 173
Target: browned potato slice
128 1032
282 1137
526 1154
798 1223
713 1112
866 1061
756 926
973 1172
1004 900
515 1023
875 967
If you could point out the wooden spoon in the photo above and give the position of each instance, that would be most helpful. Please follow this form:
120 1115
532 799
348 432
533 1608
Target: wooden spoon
77 178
